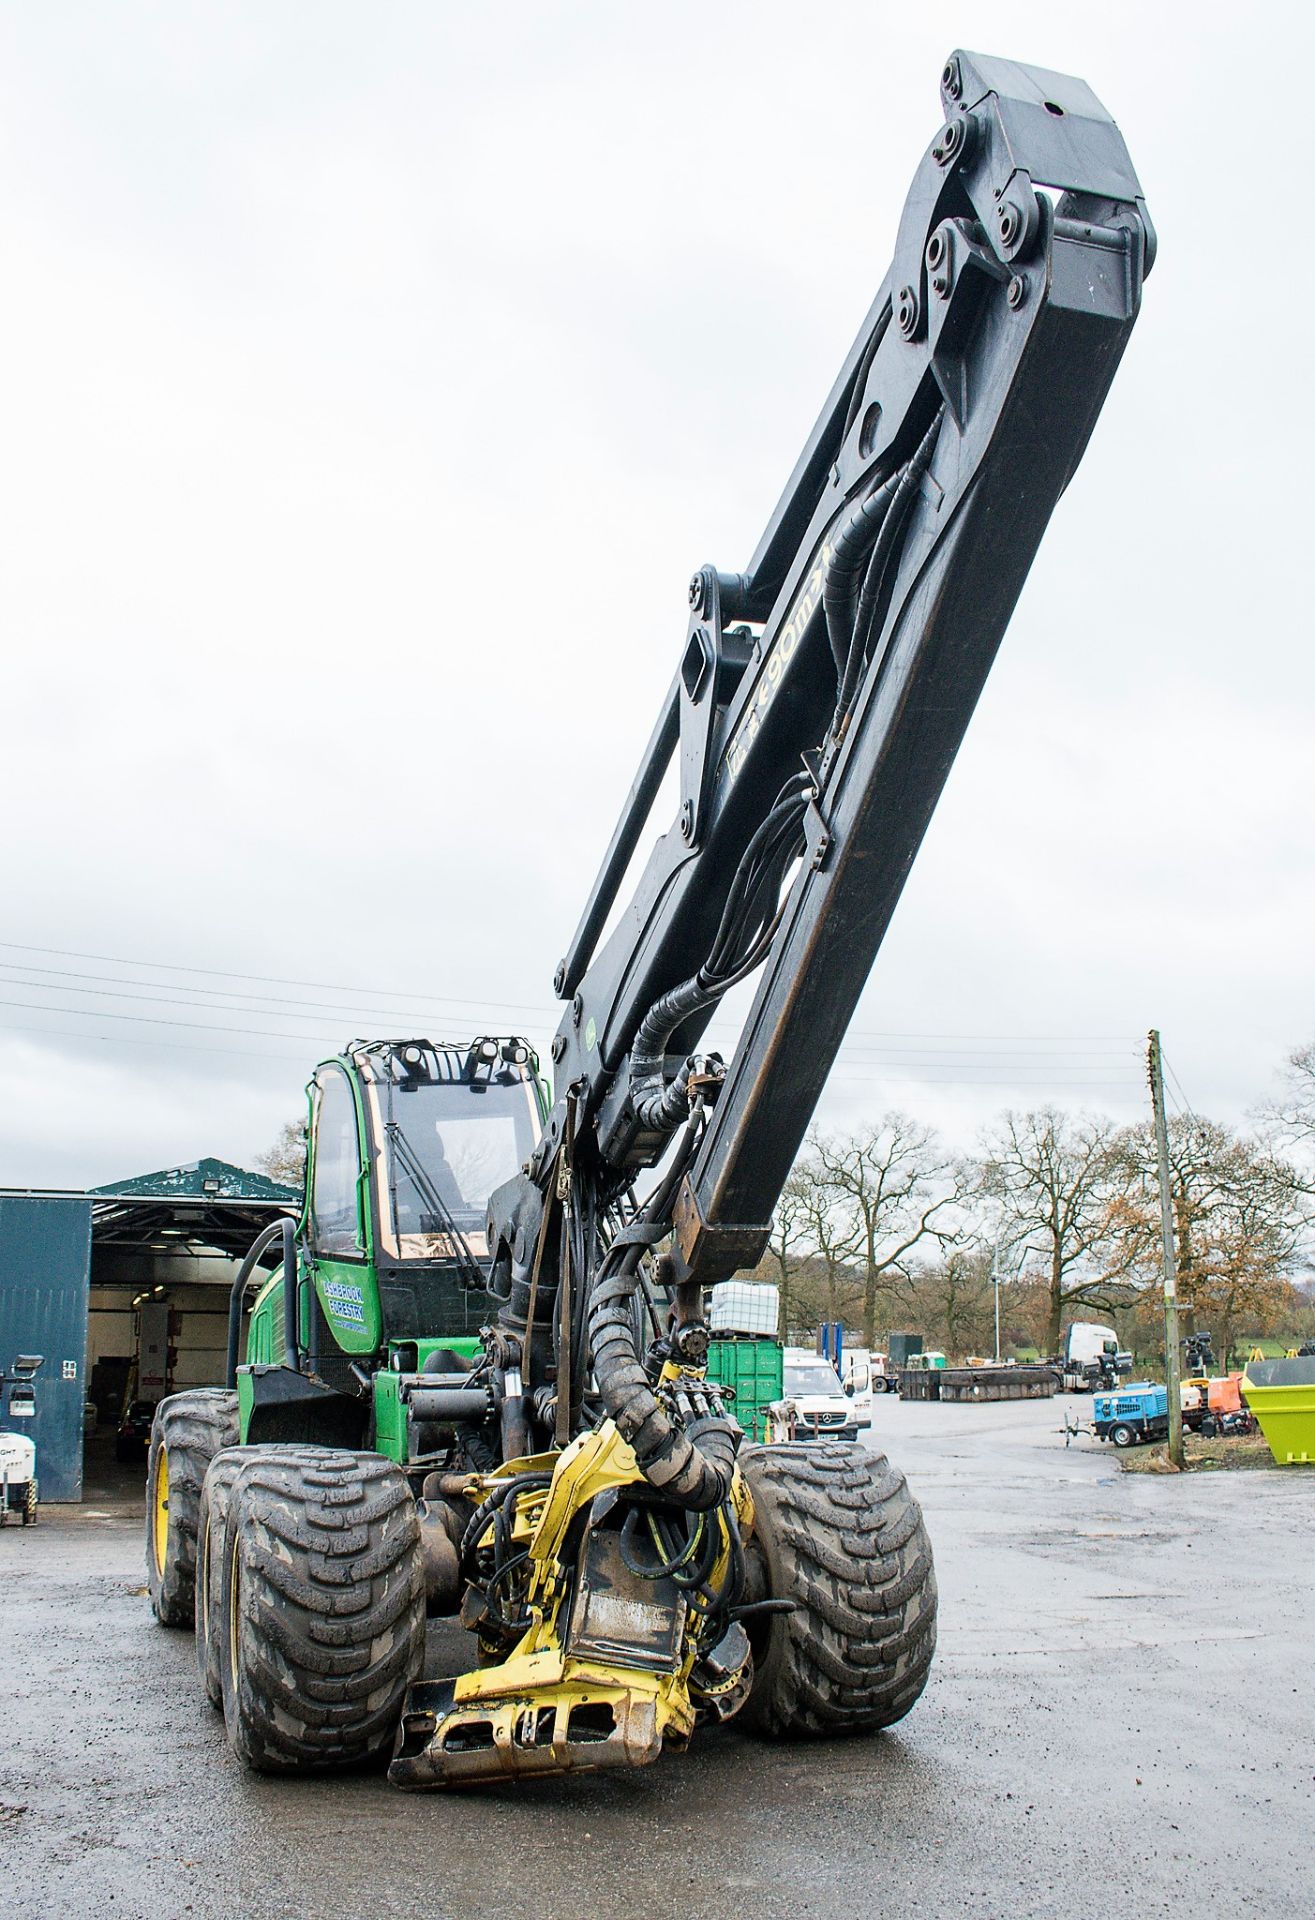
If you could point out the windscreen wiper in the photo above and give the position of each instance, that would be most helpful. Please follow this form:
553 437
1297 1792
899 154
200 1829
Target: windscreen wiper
472 1274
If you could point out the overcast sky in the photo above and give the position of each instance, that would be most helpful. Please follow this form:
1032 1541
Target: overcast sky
374 379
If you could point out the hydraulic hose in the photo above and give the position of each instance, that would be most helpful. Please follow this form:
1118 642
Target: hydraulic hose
905 485
749 919
657 1104
692 1467
850 547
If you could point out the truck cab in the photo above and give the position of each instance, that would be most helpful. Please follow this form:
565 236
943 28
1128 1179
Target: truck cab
1092 1358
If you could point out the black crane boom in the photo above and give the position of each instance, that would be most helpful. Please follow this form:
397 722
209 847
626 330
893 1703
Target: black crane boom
822 693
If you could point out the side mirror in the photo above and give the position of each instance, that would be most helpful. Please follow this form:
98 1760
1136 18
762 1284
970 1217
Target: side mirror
849 1388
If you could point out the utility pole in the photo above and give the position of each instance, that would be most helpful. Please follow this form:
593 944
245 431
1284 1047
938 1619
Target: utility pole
1155 1074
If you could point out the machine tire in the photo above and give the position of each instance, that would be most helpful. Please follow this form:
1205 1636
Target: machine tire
212 1520
188 1430
1122 1435
837 1531
323 1608
216 1492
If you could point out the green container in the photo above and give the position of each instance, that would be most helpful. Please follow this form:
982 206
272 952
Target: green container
1281 1394
753 1365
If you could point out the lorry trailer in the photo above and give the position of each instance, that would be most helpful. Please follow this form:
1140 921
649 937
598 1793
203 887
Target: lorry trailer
978 1383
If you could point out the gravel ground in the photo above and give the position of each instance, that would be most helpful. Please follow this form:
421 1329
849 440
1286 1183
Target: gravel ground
1119 1714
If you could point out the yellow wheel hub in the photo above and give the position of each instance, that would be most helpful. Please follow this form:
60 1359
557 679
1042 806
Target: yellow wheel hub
234 1610
161 1535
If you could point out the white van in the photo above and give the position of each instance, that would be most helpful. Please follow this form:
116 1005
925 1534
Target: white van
814 1405
859 1383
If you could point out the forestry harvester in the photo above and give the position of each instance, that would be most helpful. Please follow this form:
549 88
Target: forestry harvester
475 1383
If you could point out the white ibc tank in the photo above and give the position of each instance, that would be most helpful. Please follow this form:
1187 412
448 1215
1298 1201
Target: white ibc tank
743 1306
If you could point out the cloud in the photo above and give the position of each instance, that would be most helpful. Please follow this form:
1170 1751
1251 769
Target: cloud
376 385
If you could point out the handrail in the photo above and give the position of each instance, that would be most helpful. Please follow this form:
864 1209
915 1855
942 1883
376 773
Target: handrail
264 1239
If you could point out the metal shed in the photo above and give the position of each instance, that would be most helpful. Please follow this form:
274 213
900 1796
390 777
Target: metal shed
145 1264
45 1277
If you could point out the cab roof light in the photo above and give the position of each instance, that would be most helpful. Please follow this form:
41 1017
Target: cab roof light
414 1061
484 1053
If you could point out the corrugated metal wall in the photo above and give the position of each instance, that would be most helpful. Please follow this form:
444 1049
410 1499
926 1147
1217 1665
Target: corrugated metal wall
45 1269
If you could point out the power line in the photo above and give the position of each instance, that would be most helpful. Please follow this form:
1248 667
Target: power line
281 1012
55 976
877 1055
140 1040
905 1064
941 1075
1182 1091
1008 1080
264 979
545 1014
146 1020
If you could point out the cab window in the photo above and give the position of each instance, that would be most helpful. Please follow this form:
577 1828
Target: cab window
335 1217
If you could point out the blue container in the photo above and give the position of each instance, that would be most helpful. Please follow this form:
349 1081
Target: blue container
45 1275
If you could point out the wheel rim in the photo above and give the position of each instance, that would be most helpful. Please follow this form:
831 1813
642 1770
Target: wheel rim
160 1529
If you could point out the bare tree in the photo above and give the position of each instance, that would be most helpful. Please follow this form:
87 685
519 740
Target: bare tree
786 1247
1238 1225
286 1159
827 1232
953 1298
1051 1176
1288 1119
892 1191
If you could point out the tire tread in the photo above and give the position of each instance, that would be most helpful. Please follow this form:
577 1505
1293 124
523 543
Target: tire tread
843 1537
332 1608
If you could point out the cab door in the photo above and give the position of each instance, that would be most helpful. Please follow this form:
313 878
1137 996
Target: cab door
336 1227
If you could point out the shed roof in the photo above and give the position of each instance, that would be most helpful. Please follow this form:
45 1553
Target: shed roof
203 1180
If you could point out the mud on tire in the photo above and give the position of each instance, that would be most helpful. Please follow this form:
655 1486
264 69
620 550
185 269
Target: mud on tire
323 1608
188 1430
216 1492
837 1531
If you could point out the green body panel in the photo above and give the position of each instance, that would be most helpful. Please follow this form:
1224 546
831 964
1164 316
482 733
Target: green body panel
245 1397
390 1415
348 1293
390 1436
467 1345
753 1364
265 1327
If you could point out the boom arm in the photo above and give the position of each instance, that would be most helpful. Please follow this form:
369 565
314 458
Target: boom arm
822 694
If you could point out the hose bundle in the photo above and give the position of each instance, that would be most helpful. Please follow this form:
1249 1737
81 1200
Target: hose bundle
690 1466
749 920
855 590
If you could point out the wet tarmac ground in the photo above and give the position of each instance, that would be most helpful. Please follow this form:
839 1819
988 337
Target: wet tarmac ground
1119 1718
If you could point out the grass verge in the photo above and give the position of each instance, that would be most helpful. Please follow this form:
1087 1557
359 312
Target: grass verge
1249 1453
